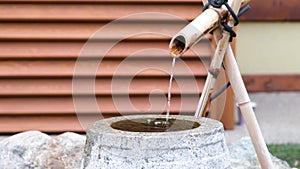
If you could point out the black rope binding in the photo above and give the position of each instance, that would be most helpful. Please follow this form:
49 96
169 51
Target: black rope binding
219 4
229 29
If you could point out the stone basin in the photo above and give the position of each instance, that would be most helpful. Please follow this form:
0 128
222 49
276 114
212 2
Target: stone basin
151 141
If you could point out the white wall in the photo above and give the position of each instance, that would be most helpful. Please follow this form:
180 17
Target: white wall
268 47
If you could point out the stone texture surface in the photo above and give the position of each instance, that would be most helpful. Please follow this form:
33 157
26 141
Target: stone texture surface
64 151
36 150
202 147
243 156
21 150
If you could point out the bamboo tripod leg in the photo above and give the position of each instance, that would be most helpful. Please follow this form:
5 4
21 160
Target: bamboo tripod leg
214 70
209 82
243 100
205 96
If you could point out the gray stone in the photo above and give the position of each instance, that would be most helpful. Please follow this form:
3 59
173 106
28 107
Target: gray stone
64 151
20 151
243 156
36 150
202 147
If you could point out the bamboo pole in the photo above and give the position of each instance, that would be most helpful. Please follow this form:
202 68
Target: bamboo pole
244 103
192 34
215 67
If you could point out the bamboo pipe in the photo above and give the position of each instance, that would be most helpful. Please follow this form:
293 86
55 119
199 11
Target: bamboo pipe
194 31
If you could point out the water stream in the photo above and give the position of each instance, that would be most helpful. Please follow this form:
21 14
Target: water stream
169 89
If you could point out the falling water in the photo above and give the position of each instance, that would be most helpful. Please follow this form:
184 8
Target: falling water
170 87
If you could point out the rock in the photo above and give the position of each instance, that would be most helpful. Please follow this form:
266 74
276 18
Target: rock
21 150
243 156
36 150
67 150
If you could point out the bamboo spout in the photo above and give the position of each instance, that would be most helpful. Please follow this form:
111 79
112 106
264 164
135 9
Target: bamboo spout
193 32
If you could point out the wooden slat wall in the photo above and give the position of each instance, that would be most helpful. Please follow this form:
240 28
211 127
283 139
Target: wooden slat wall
40 41
272 11
272 83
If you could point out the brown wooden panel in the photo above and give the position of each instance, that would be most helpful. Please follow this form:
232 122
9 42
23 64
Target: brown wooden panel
79 31
271 83
47 50
270 10
108 1
107 105
229 110
50 123
65 68
19 50
53 123
103 86
273 10
94 12
40 41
